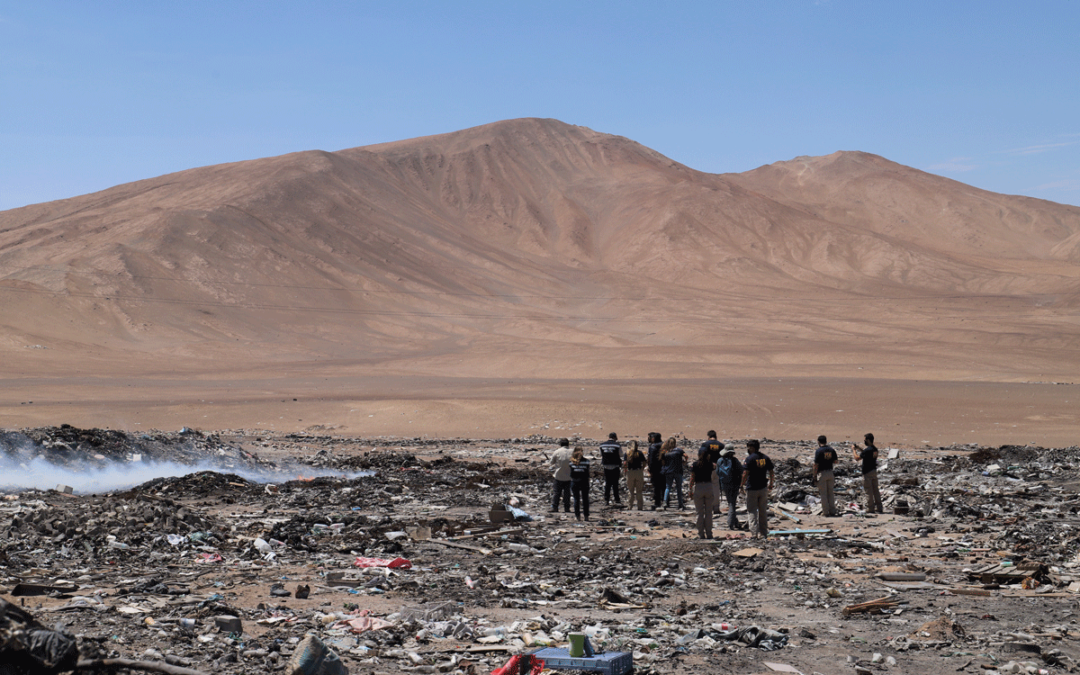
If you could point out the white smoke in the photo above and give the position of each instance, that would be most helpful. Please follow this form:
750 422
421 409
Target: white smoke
23 469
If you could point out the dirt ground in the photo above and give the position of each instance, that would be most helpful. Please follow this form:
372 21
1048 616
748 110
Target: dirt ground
639 581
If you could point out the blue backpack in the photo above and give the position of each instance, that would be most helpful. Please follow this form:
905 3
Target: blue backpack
729 470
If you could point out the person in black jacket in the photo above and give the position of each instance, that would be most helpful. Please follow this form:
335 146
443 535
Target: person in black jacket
611 459
656 470
579 482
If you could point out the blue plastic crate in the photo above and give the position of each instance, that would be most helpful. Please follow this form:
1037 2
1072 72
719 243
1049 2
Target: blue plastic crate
608 663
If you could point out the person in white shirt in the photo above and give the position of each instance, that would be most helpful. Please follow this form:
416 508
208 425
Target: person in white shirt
560 464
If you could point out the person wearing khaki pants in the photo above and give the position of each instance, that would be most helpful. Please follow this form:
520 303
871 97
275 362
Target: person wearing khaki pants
868 456
757 480
703 492
714 448
824 459
634 467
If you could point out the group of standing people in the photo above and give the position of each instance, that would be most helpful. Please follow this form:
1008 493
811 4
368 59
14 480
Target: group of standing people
824 460
716 472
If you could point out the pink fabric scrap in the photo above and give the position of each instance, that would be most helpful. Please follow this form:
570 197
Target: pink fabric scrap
363 624
396 563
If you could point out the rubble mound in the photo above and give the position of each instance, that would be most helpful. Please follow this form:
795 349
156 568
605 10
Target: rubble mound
199 484
132 518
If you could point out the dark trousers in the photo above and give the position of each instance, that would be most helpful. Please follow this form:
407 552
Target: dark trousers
580 490
731 494
674 480
658 485
611 484
562 487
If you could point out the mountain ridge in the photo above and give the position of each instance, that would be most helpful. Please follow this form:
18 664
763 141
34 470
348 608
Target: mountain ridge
540 238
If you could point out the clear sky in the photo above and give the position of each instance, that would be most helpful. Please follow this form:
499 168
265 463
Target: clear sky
93 94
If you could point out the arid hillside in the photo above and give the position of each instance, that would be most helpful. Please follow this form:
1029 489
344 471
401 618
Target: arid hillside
535 250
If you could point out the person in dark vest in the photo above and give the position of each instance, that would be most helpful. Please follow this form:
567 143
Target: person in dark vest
824 459
635 477
702 492
714 448
730 472
868 457
656 469
674 458
579 482
611 459
757 480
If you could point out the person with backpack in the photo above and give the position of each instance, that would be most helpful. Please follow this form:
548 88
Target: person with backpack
635 476
611 460
674 457
729 472
824 459
757 480
702 492
714 448
656 469
579 482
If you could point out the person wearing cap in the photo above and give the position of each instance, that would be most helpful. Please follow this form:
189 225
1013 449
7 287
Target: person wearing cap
757 480
729 470
824 459
868 456
702 492
611 460
714 448
560 465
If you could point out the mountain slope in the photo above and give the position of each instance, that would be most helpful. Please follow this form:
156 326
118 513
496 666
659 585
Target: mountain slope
532 246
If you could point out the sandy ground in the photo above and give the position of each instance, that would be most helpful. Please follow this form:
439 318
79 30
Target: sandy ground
900 413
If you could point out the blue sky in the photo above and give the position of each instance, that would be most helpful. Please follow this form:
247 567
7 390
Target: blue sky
93 94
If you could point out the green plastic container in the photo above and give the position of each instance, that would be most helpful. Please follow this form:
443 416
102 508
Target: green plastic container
577 645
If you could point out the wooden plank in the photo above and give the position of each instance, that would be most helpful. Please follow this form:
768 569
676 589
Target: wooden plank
464 547
487 533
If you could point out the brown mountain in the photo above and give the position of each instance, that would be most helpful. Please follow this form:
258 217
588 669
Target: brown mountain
535 249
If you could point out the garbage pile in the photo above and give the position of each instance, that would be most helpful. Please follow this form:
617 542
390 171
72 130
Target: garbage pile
413 556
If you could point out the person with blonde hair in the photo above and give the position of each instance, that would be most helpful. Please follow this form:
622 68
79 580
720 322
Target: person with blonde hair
634 466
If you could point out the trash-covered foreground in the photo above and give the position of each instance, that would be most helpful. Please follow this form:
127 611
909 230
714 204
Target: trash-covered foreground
970 569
